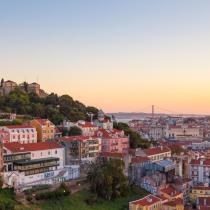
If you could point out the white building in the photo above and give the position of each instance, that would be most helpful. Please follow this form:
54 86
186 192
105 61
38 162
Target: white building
26 165
201 145
200 171
157 153
181 131
88 128
21 133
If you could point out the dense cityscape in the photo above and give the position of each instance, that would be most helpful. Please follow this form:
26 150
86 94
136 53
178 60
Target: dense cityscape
164 159
104 105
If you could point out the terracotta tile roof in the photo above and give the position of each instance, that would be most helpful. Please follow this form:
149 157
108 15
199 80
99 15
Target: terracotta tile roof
43 121
109 133
139 159
102 133
18 126
113 154
156 150
87 125
170 191
199 162
147 201
163 199
17 147
200 188
74 138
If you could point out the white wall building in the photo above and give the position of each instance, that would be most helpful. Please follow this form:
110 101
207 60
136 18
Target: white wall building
178 131
26 165
21 133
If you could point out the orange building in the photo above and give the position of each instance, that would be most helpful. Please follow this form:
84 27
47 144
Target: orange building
45 129
175 204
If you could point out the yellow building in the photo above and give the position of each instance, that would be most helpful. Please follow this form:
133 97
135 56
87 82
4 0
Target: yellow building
45 129
200 191
174 204
147 203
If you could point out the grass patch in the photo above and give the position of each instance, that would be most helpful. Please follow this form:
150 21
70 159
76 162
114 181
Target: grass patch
7 199
77 201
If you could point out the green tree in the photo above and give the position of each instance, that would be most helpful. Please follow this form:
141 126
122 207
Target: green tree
2 82
75 131
107 179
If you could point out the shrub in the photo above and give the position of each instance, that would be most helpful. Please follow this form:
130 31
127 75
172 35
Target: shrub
63 190
92 199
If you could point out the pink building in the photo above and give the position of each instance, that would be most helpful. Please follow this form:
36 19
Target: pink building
113 140
20 133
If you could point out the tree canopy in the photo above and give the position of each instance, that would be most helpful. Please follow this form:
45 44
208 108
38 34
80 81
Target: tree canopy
55 108
107 179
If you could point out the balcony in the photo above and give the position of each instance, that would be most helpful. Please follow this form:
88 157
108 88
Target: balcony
35 164
17 157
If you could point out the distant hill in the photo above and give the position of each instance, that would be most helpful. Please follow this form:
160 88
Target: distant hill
54 107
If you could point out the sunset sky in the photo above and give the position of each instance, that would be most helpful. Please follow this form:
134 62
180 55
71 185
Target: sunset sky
118 55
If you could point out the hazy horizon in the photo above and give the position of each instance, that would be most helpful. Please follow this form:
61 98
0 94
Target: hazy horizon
117 55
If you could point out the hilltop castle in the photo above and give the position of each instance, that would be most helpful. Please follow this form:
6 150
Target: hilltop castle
8 86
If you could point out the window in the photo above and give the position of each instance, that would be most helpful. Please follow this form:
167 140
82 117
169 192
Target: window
56 152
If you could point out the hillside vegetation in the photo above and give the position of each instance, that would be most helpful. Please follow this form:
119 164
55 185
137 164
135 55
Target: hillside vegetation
54 107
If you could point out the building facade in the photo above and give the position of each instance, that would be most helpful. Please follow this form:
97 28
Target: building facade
45 129
80 149
113 140
27 165
19 133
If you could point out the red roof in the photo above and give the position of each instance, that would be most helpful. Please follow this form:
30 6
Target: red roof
147 201
43 121
200 188
199 162
18 126
109 133
139 159
170 191
17 147
113 154
87 125
156 150
74 138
